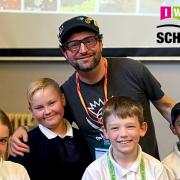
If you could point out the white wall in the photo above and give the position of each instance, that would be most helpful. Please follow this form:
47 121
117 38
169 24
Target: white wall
168 74
15 76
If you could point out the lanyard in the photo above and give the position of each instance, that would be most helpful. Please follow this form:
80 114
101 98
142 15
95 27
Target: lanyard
89 113
112 171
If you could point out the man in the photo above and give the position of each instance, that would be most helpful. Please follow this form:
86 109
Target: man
96 79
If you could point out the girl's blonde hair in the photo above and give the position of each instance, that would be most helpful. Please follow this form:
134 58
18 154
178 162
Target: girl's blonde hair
41 83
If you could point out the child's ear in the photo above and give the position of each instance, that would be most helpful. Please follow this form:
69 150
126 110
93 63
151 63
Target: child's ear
105 132
29 107
143 129
173 129
63 99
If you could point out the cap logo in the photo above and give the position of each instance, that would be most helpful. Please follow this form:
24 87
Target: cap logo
89 20
61 28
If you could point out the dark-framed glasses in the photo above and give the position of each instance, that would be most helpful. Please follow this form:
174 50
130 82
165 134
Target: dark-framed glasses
75 45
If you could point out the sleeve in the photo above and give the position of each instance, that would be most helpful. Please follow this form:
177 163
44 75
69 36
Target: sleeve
89 175
151 85
169 171
163 175
25 174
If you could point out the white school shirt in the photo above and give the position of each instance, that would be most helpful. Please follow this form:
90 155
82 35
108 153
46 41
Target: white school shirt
12 171
50 134
98 170
172 162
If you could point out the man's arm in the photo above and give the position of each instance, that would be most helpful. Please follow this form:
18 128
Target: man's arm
17 147
164 106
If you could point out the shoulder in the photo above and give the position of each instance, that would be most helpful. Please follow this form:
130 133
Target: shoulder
124 62
68 82
97 169
97 164
15 171
170 158
152 162
125 66
34 132
35 135
14 166
154 168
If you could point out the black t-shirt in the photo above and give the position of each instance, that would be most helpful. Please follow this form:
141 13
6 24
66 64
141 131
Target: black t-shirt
126 77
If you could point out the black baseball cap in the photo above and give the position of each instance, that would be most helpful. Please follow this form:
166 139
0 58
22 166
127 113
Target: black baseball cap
175 112
78 23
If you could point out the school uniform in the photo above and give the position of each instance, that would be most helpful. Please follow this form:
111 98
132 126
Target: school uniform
54 157
10 171
151 170
172 162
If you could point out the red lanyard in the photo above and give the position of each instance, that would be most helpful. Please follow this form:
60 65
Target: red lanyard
89 113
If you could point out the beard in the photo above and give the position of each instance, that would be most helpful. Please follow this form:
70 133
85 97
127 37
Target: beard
94 64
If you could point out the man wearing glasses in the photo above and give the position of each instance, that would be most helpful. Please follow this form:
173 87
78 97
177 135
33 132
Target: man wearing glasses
96 79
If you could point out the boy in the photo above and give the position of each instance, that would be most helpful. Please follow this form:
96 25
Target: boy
172 161
124 125
56 149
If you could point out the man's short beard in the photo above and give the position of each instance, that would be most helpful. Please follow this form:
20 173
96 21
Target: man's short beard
96 61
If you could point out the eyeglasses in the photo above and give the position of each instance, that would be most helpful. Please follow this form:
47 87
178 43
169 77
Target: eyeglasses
89 42
3 140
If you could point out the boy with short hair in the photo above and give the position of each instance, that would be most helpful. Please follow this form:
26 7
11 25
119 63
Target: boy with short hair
172 160
124 125
57 151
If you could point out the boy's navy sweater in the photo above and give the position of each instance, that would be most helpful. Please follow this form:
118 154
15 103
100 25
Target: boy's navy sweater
57 158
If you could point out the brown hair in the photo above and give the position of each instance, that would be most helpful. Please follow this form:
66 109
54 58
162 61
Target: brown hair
122 107
4 120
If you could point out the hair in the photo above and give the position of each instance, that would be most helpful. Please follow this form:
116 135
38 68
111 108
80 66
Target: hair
4 120
175 112
41 83
122 107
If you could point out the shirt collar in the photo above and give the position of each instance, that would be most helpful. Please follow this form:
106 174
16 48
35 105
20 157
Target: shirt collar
1 161
50 134
134 168
176 149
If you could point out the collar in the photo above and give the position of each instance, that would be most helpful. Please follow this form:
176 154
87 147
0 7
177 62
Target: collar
134 167
50 134
1 161
176 149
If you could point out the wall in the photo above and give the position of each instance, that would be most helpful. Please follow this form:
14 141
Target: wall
15 76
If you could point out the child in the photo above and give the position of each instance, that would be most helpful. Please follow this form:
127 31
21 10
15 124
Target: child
8 170
57 150
123 126
172 161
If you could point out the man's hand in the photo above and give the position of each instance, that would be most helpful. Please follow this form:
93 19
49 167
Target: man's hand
17 147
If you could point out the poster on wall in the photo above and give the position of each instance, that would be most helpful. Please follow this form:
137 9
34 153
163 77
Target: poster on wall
128 26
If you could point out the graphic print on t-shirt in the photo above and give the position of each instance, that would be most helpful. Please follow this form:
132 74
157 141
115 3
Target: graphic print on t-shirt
102 144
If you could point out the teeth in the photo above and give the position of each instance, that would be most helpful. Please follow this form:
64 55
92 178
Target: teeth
124 142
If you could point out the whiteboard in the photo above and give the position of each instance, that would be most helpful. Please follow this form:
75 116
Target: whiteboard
125 24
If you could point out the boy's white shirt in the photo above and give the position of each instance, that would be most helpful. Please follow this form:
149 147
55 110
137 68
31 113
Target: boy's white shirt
11 171
172 163
98 170
50 134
